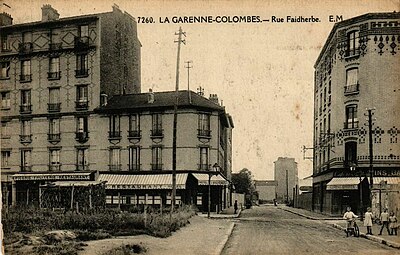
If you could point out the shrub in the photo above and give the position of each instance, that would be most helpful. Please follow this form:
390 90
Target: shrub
127 250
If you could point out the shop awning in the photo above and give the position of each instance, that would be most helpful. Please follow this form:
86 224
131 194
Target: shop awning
72 183
51 176
344 183
385 181
142 181
215 179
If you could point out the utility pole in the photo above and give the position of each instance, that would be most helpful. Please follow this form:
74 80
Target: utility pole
173 195
371 151
188 68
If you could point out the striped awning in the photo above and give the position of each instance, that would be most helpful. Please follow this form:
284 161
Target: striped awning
215 179
142 181
51 176
344 183
71 183
385 181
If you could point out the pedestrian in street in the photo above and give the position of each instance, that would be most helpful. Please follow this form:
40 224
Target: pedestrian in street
349 216
368 221
393 224
385 221
235 206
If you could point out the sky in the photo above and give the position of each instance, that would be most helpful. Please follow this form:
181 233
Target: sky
262 71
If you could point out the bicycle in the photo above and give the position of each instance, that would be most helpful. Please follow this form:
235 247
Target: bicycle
352 228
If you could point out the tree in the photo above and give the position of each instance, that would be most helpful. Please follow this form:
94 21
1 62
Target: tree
243 182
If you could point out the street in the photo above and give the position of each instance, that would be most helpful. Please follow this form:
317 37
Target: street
270 230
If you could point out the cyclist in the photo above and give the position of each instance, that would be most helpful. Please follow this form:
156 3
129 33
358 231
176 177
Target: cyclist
350 217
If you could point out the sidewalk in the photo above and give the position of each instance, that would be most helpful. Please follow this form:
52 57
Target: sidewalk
227 213
339 223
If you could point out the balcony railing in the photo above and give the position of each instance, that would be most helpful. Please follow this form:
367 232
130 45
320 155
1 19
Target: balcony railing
204 133
54 107
54 75
81 73
55 46
134 134
352 53
54 137
25 77
25 48
134 167
81 43
81 105
25 108
55 167
82 136
351 125
82 167
26 168
25 138
115 167
157 166
351 89
157 132
114 134
204 167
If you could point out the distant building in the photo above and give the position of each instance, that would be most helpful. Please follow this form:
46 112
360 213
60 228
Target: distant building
357 69
266 190
286 176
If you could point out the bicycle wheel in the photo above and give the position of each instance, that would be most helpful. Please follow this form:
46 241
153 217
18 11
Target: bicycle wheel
356 231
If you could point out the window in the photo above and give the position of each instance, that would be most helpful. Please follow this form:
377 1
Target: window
54 104
54 160
351 81
26 161
351 116
4 130
204 125
82 133
4 43
82 159
26 135
54 130
115 159
82 97
114 131
134 125
81 65
157 125
54 69
84 31
5 70
156 158
134 158
5 158
5 100
25 71
352 43
203 159
26 106
350 153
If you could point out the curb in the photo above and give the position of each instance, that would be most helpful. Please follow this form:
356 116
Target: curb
306 216
222 244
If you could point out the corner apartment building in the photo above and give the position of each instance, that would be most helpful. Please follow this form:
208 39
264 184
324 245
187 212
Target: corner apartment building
54 73
286 177
357 69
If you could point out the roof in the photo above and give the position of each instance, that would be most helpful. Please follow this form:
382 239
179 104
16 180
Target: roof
367 16
215 179
143 181
162 100
344 183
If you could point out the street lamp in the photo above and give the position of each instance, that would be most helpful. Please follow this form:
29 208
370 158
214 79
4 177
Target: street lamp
214 171
353 169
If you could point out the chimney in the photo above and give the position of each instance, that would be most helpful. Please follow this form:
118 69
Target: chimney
150 98
214 98
5 19
49 13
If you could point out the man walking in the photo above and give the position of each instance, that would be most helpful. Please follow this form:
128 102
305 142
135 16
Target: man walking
385 221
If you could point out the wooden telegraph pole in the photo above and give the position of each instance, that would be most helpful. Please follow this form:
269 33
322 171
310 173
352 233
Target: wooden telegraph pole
188 71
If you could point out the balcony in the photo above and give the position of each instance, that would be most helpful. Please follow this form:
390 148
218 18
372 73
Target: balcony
351 89
81 105
156 167
82 136
53 107
25 77
81 43
204 167
134 167
134 134
115 167
55 167
54 75
353 53
82 167
53 137
26 168
351 125
204 133
25 138
55 46
25 109
157 133
114 134
80 73
25 48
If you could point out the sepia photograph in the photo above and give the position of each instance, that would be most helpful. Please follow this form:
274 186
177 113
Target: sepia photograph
200 127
